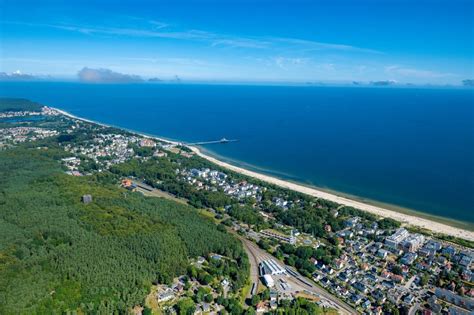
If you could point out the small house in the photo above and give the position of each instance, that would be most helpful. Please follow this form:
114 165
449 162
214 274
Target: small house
86 199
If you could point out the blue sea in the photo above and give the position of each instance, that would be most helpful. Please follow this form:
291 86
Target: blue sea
409 147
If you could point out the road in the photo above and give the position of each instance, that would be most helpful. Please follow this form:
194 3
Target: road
414 309
254 276
257 255
409 282
153 192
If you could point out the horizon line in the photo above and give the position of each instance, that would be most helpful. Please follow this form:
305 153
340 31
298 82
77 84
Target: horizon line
308 83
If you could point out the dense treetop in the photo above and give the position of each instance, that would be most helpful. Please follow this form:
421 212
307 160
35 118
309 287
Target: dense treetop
18 105
58 254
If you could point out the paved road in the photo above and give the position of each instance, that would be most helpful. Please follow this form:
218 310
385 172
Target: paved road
413 310
257 254
409 282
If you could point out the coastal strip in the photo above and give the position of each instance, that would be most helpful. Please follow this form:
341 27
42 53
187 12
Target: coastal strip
434 226
407 219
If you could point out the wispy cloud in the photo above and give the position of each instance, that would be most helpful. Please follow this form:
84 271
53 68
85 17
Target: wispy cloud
158 24
132 32
214 39
167 60
241 42
157 29
415 73
310 45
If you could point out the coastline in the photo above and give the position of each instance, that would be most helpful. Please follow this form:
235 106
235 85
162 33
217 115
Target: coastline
405 218
380 204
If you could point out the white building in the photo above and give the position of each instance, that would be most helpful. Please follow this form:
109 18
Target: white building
413 242
289 239
268 281
165 296
271 267
396 238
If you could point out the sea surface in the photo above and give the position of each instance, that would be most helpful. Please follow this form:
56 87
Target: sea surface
409 147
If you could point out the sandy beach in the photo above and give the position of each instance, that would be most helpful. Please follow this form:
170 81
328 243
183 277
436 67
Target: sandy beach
406 219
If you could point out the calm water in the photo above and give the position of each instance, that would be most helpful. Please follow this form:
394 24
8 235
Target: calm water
408 147
21 119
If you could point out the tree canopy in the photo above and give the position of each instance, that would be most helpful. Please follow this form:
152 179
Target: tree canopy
58 254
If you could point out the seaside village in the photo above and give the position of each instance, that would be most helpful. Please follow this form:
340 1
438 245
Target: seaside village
106 150
19 134
373 268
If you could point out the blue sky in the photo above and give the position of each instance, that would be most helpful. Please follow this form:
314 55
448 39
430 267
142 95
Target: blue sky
421 42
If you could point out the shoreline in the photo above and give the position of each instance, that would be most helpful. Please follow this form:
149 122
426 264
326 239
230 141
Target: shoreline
404 218
380 204
431 225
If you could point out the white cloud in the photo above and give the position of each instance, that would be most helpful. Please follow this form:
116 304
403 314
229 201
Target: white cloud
16 76
158 24
101 75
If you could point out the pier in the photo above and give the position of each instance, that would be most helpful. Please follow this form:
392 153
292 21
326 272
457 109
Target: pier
223 140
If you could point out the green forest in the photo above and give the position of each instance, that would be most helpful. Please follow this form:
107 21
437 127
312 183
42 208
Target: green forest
58 254
18 105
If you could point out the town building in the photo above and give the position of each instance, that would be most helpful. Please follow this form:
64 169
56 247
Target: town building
268 281
453 298
147 143
413 242
271 267
86 199
397 238
165 296
288 239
